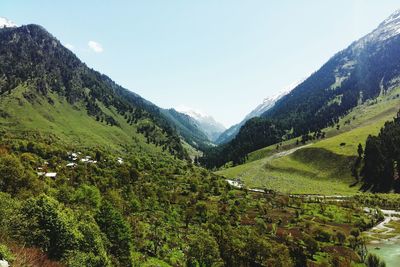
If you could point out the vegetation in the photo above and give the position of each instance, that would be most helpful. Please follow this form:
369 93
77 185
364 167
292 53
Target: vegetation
93 175
360 73
381 157
323 166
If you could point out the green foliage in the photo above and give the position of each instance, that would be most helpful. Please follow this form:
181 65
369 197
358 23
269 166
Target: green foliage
255 134
50 226
117 231
203 250
14 177
381 154
6 254
88 196
374 261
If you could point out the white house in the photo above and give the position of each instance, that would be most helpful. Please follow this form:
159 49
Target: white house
51 174
71 164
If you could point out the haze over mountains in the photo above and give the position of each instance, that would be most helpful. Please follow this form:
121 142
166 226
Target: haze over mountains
206 123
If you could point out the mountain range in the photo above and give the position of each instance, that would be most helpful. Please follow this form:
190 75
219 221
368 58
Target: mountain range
266 105
366 69
92 174
206 123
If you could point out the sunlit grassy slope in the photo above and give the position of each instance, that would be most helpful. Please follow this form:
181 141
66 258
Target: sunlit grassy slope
323 167
68 124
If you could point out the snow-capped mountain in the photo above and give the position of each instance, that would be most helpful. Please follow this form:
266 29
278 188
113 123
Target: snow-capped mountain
206 123
6 23
266 105
387 29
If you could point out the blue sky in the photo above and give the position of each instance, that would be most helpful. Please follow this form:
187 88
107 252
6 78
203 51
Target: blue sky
219 56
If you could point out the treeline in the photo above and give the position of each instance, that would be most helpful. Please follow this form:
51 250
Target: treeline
382 159
255 134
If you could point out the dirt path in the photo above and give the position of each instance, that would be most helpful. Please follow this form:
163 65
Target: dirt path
274 156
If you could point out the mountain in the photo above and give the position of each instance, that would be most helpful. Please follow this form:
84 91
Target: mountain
366 69
205 122
94 175
44 86
232 131
189 128
6 23
266 105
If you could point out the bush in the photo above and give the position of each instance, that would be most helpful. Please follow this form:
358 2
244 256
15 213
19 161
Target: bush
6 254
203 249
322 235
48 225
374 261
87 259
13 175
117 231
341 237
88 196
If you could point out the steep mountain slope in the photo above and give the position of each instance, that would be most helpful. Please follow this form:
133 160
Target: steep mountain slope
188 128
367 68
206 123
320 166
37 71
266 105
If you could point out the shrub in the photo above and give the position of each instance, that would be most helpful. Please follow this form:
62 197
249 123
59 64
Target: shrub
341 237
117 231
203 249
89 196
322 235
48 225
6 254
374 261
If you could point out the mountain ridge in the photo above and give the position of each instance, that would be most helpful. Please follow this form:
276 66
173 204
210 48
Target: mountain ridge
205 122
367 68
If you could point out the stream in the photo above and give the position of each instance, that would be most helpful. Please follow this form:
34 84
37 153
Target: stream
385 240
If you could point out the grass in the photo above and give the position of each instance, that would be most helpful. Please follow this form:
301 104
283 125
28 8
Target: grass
323 167
70 124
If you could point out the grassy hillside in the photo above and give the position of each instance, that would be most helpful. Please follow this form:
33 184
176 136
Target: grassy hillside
322 167
69 124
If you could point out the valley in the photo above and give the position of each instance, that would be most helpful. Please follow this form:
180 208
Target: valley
93 174
322 166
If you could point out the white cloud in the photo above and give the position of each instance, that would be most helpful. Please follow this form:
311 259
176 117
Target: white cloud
70 46
95 46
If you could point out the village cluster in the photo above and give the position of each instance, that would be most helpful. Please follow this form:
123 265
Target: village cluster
74 158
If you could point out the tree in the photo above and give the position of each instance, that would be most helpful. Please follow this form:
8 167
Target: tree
341 237
13 176
46 224
203 249
360 151
117 231
374 261
373 161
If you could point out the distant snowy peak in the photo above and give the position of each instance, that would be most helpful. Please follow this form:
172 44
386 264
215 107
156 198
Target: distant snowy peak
387 29
395 17
269 102
206 123
196 114
6 23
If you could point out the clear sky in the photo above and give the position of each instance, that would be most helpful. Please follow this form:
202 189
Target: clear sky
219 56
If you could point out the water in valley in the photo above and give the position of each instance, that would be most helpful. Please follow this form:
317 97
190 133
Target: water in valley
385 239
